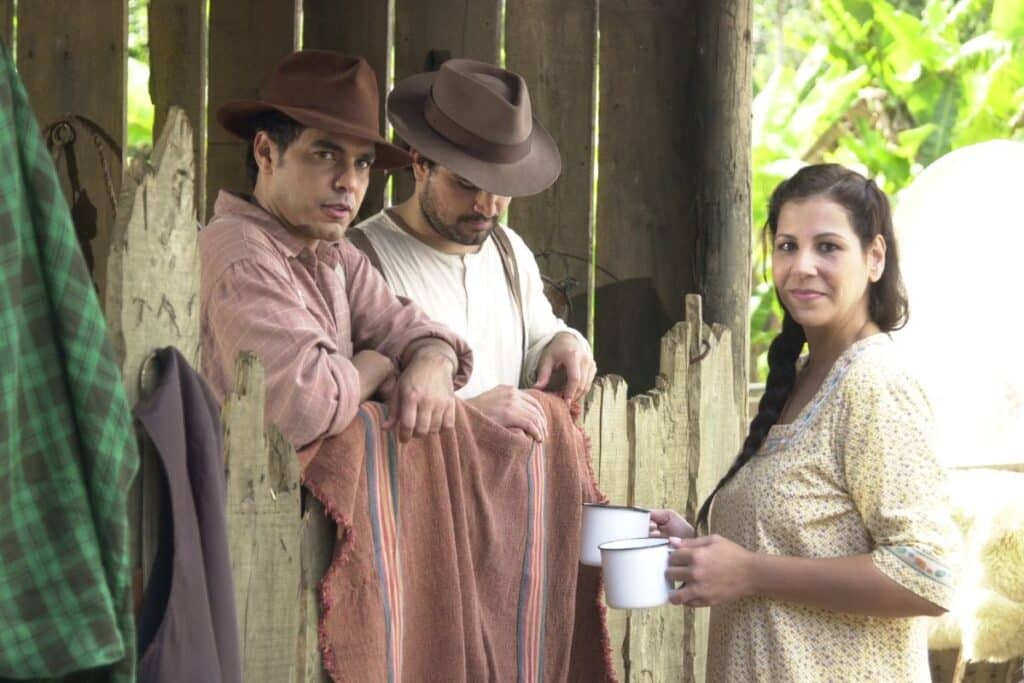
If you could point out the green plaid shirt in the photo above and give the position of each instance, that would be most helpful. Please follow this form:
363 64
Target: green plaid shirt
67 448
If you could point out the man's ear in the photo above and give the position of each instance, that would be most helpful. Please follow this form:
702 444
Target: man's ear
420 166
264 151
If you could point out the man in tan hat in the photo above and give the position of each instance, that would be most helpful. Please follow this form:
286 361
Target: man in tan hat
475 144
278 280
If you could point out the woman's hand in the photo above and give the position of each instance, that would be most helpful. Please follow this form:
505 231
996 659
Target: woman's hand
668 524
711 569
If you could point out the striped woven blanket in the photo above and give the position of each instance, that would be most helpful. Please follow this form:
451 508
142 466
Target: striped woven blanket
457 556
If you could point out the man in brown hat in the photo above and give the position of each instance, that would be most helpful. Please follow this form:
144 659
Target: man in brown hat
278 280
475 144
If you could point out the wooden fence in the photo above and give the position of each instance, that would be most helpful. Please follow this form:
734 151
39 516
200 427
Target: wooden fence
663 448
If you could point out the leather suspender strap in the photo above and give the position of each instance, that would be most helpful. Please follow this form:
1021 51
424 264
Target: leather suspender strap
361 242
511 267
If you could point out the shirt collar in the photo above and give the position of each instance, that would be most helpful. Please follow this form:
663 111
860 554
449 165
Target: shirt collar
245 205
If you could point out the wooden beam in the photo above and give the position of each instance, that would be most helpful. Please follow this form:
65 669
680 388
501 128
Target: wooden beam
7 23
177 77
426 32
559 67
646 183
358 28
265 531
721 95
247 39
71 57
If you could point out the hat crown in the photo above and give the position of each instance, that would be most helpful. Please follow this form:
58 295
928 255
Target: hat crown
328 82
491 103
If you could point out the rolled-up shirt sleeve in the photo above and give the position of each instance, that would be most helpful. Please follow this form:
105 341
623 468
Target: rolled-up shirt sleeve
886 440
312 390
388 323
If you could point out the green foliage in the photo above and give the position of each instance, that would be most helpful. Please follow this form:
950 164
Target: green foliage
883 86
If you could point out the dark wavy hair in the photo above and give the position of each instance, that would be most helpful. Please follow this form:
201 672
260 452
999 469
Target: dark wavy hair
279 127
870 216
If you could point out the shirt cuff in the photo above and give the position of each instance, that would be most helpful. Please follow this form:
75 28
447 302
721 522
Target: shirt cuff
918 571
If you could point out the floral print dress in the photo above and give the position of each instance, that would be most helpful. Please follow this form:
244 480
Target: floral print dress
854 473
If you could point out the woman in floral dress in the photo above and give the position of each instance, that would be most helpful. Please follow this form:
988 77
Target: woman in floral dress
830 534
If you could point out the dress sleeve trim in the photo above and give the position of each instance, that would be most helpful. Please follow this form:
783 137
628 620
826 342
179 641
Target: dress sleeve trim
923 563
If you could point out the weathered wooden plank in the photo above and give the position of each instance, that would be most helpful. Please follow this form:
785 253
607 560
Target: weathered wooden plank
152 298
426 32
645 226
318 535
177 72
719 441
613 467
559 67
152 295
79 67
358 28
7 23
264 520
660 432
721 96
247 38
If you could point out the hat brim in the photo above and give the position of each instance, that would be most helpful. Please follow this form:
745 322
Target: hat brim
237 116
533 173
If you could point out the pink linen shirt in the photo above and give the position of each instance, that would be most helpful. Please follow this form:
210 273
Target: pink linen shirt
303 313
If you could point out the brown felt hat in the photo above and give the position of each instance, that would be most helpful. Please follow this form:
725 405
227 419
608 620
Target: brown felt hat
320 89
475 119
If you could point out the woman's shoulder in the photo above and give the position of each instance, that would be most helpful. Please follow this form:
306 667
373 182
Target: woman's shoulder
880 367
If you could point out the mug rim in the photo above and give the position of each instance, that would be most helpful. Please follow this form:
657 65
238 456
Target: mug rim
632 508
655 542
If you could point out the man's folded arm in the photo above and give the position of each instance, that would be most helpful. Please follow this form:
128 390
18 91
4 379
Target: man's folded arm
391 324
312 390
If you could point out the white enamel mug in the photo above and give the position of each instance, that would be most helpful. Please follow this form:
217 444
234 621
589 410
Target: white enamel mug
634 572
602 523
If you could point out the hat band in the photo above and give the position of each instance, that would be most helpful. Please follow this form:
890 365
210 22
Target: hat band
470 141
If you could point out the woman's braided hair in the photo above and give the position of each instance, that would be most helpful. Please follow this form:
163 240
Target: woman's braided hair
868 210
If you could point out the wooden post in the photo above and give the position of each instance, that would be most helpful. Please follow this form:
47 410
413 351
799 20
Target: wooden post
358 28
721 96
152 297
605 422
247 39
71 57
7 23
264 519
177 76
646 180
427 32
559 67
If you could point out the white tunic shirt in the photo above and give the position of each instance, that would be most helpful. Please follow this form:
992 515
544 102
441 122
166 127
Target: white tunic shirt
469 294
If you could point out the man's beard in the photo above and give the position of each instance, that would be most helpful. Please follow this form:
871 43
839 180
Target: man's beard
451 231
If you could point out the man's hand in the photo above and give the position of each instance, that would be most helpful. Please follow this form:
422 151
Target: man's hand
513 409
668 524
423 399
565 351
375 370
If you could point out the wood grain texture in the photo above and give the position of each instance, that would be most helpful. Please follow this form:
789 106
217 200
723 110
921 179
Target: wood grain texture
454 28
7 23
178 70
152 296
247 39
79 67
553 45
264 519
358 28
721 94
